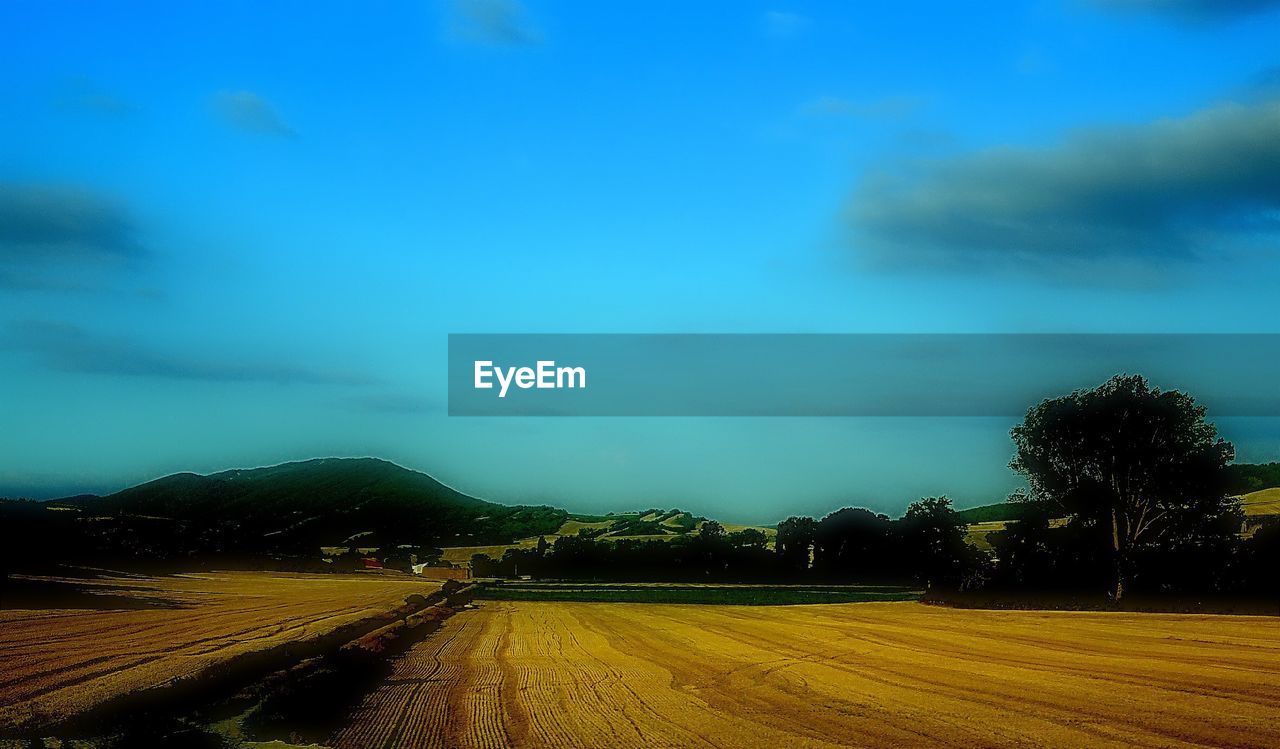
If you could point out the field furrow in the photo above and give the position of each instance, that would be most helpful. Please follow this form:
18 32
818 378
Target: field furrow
559 674
59 662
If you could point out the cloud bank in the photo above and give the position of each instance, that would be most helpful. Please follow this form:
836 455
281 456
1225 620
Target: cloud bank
61 238
1189 189
40 223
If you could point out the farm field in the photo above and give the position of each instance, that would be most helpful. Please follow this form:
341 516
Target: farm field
546 674
700 593
1261 503
59 662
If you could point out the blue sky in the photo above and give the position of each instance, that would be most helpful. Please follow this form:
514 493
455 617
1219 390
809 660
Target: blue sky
238 234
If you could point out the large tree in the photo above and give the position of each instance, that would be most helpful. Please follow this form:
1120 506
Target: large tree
852 543
1139 462
931 546
794 544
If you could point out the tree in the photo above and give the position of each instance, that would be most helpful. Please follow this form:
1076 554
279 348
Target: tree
852 543
1262 559
482 565
931 544
794 543
1135 460
1038 551
711 531
748 538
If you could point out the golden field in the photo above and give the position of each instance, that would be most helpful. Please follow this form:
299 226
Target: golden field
554 674
58 662
1261 503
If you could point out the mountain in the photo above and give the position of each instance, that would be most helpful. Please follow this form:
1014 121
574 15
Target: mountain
311 488
293 508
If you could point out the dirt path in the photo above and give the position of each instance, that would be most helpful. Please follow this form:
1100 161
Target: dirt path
878 674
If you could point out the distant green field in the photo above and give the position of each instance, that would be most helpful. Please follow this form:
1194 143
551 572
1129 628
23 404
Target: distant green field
740 595
1002 511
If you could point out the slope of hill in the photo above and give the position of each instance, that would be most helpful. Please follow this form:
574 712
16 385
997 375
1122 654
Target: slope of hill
651 525
1243 479
1260 506
1265 502
293 508
988 519
325 483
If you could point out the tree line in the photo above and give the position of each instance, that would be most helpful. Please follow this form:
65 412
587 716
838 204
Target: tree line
1129 489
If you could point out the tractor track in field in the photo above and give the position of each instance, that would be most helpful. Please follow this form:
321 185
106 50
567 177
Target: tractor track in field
569 674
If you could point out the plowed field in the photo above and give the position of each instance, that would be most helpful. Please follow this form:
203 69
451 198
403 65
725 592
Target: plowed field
58 662
874 674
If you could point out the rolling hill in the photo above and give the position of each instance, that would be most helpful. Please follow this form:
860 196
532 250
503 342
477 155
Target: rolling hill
988 519
649 525
293 508
303 510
